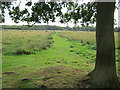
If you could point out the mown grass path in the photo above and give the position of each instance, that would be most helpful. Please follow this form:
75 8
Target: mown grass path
22 66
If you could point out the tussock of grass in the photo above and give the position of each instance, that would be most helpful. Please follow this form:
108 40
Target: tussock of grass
20 52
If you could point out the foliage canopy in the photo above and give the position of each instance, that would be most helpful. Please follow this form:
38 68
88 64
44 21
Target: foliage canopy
48 12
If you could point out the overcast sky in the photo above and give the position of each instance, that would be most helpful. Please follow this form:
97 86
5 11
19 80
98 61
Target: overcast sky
8 20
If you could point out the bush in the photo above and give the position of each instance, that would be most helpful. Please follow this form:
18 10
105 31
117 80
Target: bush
21 52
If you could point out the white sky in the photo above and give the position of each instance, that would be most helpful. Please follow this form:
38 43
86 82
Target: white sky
8 20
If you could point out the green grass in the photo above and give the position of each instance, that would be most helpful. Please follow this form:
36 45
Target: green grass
19 67
87 48
87 39
62 65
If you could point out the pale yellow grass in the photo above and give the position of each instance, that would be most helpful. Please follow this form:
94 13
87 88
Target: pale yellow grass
85 36
14 40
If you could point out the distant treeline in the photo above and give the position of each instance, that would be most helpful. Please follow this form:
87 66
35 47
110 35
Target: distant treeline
83 28
48 27
89 29
35 27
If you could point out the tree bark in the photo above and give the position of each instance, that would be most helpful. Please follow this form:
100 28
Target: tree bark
104 75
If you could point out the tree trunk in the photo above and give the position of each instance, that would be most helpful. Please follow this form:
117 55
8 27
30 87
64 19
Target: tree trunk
104 75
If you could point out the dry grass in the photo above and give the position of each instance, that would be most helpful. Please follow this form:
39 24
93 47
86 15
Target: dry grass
85 36
80 36
14 41
56 77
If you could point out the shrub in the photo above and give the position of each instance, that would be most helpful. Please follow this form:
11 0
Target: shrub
26 52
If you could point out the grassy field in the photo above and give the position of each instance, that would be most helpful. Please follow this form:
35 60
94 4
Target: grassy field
58 60
87 39
25 42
